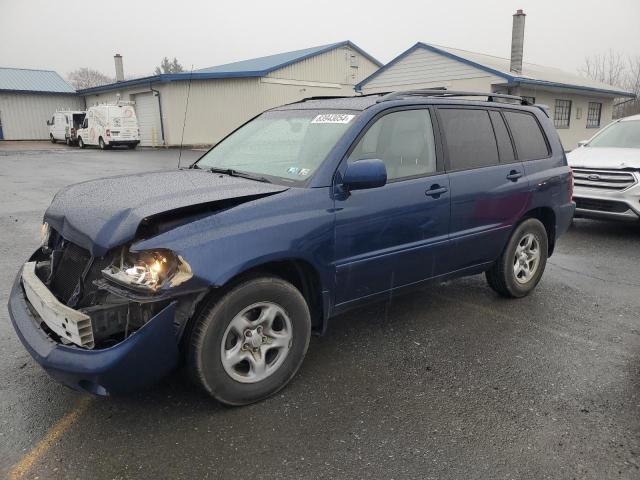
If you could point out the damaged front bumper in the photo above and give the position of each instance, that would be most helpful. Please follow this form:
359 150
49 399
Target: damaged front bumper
140 360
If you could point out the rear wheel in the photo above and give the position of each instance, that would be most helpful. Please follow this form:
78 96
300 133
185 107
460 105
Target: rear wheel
53 140
80 142
521 265
251 342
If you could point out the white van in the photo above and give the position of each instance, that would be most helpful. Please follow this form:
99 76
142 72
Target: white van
64 125
110 125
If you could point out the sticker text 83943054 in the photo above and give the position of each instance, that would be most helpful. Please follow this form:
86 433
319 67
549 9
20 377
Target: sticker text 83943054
333 118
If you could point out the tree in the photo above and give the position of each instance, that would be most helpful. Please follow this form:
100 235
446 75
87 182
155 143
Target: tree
86 78
169 66
613 69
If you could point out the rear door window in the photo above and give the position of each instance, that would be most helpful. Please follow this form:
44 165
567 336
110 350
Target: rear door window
527 136
469 138
505 148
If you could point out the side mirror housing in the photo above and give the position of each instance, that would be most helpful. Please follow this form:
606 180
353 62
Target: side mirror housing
49 122
364 174
583 143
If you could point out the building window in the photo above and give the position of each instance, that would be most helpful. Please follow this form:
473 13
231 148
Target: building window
562 114
531 100
593 115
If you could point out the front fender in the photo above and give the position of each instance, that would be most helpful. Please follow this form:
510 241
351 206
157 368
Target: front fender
295 225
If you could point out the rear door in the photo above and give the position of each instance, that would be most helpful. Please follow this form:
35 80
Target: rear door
489 189
393 236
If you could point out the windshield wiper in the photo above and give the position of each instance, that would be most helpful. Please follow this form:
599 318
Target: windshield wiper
238 173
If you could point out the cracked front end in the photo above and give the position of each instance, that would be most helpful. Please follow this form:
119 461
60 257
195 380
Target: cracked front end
106 324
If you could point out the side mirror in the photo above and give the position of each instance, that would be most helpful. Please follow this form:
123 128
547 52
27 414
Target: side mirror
364 174
49 122
583 143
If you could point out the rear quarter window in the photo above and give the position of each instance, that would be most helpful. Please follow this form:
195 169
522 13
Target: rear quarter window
469 138
530 142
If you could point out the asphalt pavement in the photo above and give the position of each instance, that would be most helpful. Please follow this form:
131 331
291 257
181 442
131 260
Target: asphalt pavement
449 382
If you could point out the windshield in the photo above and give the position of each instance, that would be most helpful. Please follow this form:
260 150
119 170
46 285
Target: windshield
625 134
287 144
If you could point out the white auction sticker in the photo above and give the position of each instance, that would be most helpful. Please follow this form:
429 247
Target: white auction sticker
333 118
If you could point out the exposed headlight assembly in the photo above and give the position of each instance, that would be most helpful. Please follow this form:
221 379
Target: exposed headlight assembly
149 270
45 233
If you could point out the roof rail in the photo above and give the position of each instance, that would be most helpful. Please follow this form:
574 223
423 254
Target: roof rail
442 92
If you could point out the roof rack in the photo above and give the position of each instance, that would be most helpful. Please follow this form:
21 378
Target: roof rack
442 92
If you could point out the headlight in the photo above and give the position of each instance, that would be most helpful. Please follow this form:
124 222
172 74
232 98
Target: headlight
45 233
149 270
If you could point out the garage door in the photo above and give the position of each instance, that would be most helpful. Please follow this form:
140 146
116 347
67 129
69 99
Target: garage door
148 114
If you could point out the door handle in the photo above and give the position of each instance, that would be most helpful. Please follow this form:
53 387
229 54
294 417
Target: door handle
514 175
435 191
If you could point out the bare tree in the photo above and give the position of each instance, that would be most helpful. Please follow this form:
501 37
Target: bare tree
86 78
169 66
613 69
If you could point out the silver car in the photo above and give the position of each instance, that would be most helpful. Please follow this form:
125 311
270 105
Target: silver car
606 171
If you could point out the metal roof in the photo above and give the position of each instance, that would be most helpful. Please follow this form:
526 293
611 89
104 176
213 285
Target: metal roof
33 81
532 74
255 67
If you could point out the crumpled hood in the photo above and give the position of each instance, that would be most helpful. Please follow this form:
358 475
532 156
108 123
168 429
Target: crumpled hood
101 214
616 158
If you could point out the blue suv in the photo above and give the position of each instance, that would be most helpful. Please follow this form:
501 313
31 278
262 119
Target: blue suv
304 212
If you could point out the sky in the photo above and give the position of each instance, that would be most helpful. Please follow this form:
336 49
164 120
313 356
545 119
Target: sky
66 35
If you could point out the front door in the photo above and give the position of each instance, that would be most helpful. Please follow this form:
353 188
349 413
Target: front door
489 189
391 236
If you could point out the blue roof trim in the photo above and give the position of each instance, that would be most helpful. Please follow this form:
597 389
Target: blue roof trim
532 81
498 73
204 75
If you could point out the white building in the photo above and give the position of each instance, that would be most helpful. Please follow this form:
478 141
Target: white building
222 98
578 106
28 98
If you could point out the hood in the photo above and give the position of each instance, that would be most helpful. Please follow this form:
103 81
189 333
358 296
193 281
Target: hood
101 214
593 157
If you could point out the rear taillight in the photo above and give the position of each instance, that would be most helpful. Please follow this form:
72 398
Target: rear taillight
570 184
108 133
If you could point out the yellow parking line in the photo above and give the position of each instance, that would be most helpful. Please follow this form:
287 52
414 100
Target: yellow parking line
20 469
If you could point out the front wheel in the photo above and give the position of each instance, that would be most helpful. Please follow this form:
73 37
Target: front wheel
521 265
251 342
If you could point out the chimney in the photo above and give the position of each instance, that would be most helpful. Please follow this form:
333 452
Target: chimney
517 42
117 58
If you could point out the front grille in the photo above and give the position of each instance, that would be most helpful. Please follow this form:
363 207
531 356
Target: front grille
601 205
603 179
67 270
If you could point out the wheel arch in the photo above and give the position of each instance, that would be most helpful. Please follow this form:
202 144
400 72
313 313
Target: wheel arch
547 217
297 271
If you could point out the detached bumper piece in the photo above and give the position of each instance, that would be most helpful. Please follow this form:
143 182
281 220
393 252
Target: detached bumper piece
69 324
140 360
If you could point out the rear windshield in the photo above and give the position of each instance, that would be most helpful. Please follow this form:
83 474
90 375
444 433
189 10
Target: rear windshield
289 145
618 135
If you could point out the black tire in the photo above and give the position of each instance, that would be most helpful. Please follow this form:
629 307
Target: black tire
204 343
80 142
68 141
132 146
101 144
502 278
53 140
